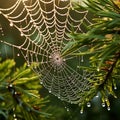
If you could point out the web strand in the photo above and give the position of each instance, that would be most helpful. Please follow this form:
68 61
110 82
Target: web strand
44 26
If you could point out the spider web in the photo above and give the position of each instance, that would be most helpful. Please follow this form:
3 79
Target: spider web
44 26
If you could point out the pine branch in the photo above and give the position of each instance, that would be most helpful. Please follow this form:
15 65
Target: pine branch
103 42
110 71
19 93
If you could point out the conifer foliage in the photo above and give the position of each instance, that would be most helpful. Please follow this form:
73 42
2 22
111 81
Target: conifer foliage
19 93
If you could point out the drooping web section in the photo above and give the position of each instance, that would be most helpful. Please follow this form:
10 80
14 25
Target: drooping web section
44 26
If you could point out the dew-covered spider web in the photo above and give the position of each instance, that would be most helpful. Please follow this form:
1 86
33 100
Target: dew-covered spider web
44 27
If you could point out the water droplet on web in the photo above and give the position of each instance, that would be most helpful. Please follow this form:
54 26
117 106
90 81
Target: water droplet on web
41 82
106 99
28 65
58 97
81 111
82 60
21 34
18 54
98 69
14 115
10 85
115 88
88 104
108 108
68 110
50 91
11 24
96 96
103 104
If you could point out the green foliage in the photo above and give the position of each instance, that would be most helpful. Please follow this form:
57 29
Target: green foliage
103 43
19 93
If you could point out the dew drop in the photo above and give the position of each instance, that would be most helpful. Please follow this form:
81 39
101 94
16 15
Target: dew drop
106 99
50 57
31 21
14 115
115 88
88 104
58 97
108 108
96 96
21 34
10 85
82 60
28 65
98 69
18 54
11 24
64 60
41 82
103 104
49 91
68 110
81 111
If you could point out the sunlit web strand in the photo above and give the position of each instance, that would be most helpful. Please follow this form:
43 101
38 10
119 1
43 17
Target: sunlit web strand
44 26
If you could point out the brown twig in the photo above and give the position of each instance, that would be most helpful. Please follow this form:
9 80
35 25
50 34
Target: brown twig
108 75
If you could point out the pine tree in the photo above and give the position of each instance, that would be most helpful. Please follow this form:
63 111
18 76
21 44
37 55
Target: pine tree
103 46
19 94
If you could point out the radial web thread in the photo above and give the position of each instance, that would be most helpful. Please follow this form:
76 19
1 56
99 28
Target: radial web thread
44 26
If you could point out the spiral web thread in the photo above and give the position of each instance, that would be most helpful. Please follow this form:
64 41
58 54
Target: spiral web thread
44 26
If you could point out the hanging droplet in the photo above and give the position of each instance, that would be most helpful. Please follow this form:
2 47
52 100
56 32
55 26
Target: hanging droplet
81 111
103 104
106 99
115 88
14 115
96 96
64 60
108 108
34 25
82 60
28 64
0 12
50 91
41 82
11 85
78 66
88 104
31 21
98 69
68 110
18 54
58 97
21 34
11 24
